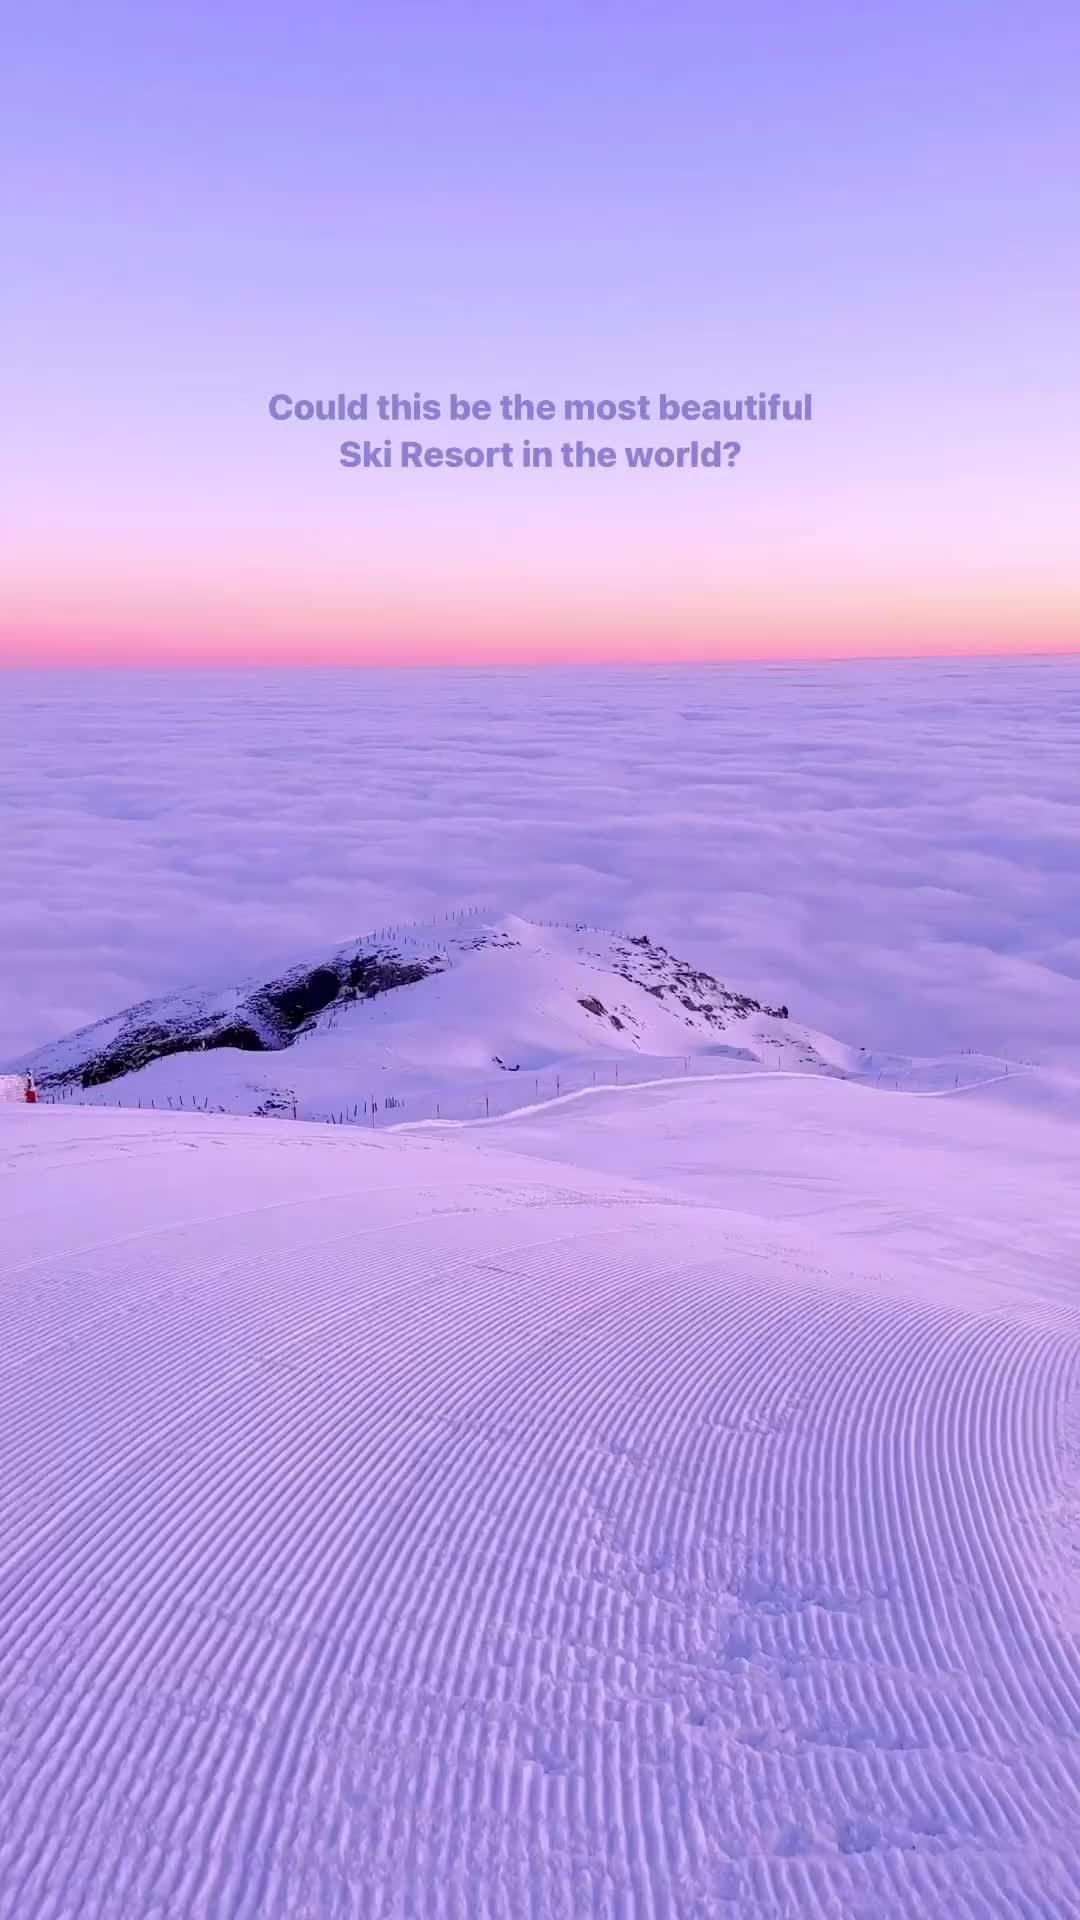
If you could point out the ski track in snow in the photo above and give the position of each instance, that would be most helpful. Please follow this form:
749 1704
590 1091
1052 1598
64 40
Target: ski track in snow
639 1087
404 1527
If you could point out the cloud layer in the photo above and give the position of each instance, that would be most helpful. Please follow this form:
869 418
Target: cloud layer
893 849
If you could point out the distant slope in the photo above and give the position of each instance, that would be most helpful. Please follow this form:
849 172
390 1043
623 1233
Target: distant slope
425 1014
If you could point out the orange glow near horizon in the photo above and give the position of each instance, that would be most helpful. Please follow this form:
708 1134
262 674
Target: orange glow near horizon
204 629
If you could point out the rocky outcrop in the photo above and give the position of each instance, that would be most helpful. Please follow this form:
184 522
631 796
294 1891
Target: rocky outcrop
263 1020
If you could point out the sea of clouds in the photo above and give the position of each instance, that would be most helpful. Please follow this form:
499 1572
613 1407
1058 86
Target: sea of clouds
893 849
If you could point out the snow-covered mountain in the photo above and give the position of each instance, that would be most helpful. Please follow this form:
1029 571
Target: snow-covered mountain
434 1017
660 1502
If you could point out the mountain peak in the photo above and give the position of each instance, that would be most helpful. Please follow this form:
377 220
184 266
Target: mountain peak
431 1005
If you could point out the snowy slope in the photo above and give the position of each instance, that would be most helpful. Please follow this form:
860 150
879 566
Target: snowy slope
665 1506
463 1019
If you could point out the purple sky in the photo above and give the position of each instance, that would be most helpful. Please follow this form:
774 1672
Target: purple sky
872 204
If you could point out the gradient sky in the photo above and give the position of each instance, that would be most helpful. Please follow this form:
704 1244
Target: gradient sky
877 205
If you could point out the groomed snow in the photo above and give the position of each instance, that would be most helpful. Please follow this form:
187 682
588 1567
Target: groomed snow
663 1506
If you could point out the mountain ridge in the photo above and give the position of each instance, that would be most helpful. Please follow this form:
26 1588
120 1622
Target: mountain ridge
484 992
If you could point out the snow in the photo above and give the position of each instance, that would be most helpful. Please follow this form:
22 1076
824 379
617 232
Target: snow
511 1012
665 1503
